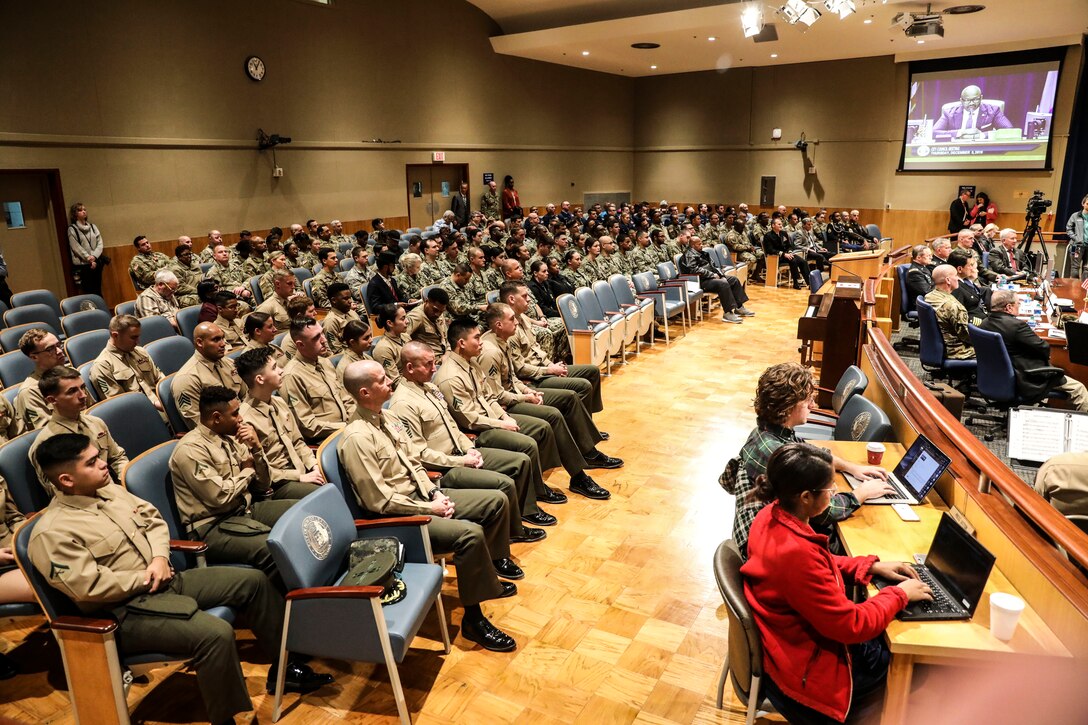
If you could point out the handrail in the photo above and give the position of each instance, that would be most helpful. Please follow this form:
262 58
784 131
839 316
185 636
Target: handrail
1062 531
1043 233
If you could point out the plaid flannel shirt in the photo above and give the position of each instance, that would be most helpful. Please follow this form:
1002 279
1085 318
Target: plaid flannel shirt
757 450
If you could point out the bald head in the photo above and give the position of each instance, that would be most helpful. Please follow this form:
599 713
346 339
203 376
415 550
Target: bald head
417 362
210 341
944 276
511 269
360 379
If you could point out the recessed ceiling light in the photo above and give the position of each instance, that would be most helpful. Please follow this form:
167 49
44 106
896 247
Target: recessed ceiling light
585 52
921 42
653 67
774 55
711 38
868 21
645 46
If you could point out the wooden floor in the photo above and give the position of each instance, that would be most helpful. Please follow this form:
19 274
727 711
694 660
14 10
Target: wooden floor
618 619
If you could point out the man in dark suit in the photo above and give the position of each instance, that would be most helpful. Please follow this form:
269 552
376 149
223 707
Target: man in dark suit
971 118
1007 260
459 206
1028 352
974 298
959 214
383 289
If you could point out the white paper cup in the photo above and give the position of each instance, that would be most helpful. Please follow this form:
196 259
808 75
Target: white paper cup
1004 614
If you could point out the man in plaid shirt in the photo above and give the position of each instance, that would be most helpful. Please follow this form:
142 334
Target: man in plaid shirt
784 397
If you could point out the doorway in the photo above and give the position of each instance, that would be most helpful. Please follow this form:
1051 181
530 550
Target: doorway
32 249
431 188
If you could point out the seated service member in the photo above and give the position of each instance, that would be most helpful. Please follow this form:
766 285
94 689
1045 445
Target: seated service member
158 299
131 579
919 275
730 291
283 286
356 338
389 481
973 297
310 386
341 312
1027 352
428 322
260 332
784 397
146 263
329 275
124 366
292 467
221 484
1062 481
45 351
821 651
226 304
951 314
393 320
440 445
62 387
207 366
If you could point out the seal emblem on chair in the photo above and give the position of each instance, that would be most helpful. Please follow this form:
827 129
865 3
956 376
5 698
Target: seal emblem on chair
318 536
860 424
573 307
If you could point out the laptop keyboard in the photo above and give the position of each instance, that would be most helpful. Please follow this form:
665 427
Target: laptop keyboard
941 601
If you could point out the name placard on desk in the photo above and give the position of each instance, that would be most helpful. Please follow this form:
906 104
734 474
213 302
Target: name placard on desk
848 285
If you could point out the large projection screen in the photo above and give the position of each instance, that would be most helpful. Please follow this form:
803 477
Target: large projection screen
984 117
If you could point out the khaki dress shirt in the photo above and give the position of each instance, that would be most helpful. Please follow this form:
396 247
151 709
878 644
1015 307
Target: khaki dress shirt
466 393
210 480
334 324
277 307
197 374
374 452
433 433
10 516
31 409
90 426
115 372
431 334
287 455
387 352
9 422
315 396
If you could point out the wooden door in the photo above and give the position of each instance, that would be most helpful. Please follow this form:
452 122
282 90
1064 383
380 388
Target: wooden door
32 250
431 188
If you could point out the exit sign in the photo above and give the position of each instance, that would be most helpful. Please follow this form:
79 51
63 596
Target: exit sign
438 156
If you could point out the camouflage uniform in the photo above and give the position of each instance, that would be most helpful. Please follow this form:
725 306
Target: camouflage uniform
477 286
254 266
642 259
490 206
410 285
144 266
592 269
492 278
307 260
952 319
228 277
355 278
188 278
743 250
462 300
553 338
431 274
319 287
577 278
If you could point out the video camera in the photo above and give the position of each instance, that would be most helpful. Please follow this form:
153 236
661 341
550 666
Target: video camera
1036 206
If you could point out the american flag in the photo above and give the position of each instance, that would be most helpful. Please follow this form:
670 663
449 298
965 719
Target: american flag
1084 284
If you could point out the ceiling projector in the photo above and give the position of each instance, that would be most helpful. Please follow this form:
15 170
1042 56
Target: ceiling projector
916 25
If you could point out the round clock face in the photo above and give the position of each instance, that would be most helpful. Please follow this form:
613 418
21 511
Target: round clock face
254 67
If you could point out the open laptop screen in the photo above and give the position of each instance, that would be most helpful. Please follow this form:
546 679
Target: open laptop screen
959 562
921 466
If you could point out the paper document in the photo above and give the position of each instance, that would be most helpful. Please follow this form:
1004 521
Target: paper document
1037 434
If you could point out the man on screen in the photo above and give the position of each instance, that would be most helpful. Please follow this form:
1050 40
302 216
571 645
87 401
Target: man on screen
971 118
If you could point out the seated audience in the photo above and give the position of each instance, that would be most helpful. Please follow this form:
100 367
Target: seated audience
226 304
146 263
730 291
206 290
283 289
32 411
356 337
393 321
804 238
428 322
973 297
822 652
207 367
383 288
261 332
965 240
158 299
124 366
919 275
310 385
951 314
188 273
1028 351
328 276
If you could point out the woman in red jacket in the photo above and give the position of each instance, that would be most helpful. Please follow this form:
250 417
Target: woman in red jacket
820 649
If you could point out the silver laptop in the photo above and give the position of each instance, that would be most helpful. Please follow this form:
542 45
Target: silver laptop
916 474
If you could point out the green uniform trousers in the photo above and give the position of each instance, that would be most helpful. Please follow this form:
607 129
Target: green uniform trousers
582 379
490 443
542 434
292 490
225 548
207 640
571 446
477 534
487 479
578 418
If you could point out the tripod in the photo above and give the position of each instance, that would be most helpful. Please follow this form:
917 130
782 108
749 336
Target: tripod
1031 233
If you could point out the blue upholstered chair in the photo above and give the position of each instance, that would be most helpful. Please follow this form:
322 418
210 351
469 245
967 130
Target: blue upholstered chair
177 422
862 420
931 349
170 353
134 422
14 368
589 342
155 327
37 297
85 347
35 314
821 423
188 319
75 303
621 288
668 300
85 321
611 306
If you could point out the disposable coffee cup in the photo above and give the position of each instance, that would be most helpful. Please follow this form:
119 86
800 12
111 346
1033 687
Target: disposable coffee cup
1004 614
875 452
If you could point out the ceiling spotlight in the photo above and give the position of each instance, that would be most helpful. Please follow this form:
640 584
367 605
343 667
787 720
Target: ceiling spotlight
653 67
774 55
751 20
798 11
585 52
844 8
711 38
868 21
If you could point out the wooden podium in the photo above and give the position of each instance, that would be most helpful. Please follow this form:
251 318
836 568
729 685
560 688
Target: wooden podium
831 329
857 264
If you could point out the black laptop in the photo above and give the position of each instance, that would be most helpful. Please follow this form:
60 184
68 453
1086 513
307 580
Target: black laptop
956 569
917 472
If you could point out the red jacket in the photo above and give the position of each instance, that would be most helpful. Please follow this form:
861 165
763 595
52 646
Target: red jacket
794 585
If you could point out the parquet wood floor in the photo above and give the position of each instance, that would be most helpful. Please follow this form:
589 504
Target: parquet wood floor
618 619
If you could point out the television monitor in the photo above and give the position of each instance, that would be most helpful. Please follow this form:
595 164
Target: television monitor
967 115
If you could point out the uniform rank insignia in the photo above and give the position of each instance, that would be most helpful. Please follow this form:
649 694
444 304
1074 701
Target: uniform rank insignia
457 403
184 400
104 387
57 571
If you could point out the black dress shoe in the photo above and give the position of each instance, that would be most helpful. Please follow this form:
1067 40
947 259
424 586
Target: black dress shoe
509 589
604 436
487 635
507 569
299 678
552 496
541 519
602 461
586 486
528 536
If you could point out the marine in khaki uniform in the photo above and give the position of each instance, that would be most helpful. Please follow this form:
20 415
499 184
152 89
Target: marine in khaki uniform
951 314
260 332
394 321
292 467
9 423
310 386
532 365
44 349
108 551
473 524
146 263
62 388
356 337
207 366
341 312
222 486
475 406
428 322
283 286
234 332
123 366
440 445
189 275
550 332
329 275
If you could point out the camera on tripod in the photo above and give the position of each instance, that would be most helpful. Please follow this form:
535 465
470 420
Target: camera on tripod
1036 206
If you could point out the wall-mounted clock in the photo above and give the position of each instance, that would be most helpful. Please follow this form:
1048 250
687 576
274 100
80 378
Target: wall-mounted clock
254 68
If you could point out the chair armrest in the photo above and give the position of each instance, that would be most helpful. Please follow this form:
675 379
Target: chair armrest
822 389
576 333
470 436
613 312
1048 370
648 292
335 593
627 305
90 625
188 547
598 322
397 521
434 475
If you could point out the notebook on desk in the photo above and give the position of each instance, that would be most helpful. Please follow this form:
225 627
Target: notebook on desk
956 569
917 472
